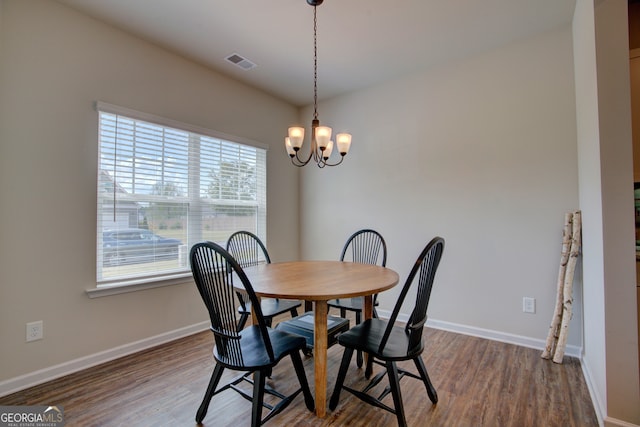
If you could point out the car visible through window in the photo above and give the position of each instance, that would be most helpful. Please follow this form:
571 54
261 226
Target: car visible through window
134 246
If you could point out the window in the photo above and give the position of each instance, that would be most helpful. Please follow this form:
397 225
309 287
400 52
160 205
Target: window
163 186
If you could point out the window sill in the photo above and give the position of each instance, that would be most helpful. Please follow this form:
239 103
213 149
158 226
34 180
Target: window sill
138 285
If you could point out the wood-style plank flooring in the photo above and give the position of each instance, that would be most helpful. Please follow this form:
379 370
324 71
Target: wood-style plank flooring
479 383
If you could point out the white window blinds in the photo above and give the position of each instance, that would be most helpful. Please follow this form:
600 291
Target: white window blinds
163 186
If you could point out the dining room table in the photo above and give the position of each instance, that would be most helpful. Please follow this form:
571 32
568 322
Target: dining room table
317 282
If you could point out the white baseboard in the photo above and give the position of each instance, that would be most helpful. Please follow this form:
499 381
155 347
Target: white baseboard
47 374
38 377
489 334
612 422
598 405
538 344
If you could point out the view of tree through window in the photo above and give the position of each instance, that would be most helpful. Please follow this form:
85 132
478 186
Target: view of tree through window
161 189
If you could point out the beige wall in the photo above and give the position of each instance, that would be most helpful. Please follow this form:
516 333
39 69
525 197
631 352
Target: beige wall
481 152
55 64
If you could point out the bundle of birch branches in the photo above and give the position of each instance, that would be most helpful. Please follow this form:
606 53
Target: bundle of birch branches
559 329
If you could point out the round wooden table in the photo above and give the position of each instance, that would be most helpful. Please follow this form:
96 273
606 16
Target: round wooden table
318 282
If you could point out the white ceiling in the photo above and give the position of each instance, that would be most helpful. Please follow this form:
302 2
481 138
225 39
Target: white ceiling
360 42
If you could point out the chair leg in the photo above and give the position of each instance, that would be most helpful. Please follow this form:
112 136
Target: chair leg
359 359
394 385
267 321
342 373
213 383
359 353
302 378
431 391
259 379
369 369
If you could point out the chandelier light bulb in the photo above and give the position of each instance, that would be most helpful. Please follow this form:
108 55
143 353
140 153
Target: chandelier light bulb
343 140
296 137
327 151
290 151
323 136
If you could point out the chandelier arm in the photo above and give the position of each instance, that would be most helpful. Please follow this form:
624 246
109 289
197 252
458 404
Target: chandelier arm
314 154
325 163
300 165
299 162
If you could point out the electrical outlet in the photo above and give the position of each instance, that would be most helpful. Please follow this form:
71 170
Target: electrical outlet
34 331
529 305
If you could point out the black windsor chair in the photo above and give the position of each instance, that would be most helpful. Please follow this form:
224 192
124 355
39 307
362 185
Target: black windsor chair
255 349
367 247
248 250
388 343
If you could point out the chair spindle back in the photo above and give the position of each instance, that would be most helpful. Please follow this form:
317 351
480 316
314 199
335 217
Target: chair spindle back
425 268
367 247
247 249
214 270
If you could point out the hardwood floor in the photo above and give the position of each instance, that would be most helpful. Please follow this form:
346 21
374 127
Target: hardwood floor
479 383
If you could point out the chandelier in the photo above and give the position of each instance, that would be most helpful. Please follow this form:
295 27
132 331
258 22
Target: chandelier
321 143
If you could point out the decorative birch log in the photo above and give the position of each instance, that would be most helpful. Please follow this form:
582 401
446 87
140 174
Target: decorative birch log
567 304
554 329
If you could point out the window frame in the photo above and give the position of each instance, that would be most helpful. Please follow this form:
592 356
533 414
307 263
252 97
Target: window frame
195 201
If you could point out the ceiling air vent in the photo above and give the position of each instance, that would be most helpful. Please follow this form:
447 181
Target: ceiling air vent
241 62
